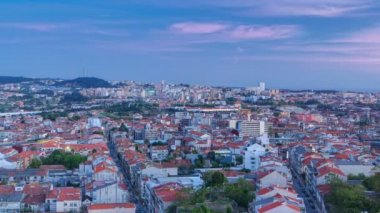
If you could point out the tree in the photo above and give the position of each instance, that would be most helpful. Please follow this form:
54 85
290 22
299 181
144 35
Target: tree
68 159
75 118
372 183
201 209
199 163
346 199
36 163
52 115
239 159
241 192
231 101
214 178
360 176
123 128
216 195
229 209
211 155
74 97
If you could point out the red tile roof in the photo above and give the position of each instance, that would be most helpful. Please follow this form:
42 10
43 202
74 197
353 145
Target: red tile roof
7 189
277 204
65 193
168 192
327 170
111 206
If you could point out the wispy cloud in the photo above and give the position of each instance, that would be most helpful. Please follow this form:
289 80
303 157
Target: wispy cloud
215 32
40 27
320 8
264 32
361 48
371 35
344 60
105 32
197 28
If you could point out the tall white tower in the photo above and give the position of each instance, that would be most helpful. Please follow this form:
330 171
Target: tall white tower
262 86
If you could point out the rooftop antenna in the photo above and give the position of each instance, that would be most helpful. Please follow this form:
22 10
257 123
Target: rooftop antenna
84 70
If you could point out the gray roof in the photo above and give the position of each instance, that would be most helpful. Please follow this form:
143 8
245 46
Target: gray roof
346 162
299 150
264 201
15 197
21 173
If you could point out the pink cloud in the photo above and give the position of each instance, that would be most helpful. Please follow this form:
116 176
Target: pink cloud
214 32
371 35
344 60
264 32
308 10
320 8
41 27
197 28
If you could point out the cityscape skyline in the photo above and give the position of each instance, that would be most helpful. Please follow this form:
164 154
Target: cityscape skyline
201 106
290 45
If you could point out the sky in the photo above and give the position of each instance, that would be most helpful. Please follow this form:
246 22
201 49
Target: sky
294 44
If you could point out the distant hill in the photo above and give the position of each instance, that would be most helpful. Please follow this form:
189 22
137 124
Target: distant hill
12 80
85 82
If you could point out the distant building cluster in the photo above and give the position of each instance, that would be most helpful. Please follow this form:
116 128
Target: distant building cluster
134 147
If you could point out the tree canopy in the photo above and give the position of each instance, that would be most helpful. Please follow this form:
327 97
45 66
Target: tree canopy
214 178
372 183
216 196
349 199
58 157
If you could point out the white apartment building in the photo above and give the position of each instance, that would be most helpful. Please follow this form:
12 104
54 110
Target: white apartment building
252 128
252 156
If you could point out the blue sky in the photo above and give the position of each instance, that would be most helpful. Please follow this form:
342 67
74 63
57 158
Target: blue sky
297 44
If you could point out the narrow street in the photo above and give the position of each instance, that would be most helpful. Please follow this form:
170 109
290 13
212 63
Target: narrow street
140 208
310 205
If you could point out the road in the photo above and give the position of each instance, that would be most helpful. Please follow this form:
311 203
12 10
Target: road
140 208
299 185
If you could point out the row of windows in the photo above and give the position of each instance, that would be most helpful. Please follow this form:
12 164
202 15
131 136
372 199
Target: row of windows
71 204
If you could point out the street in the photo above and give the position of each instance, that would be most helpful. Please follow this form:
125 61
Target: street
140 208
310 205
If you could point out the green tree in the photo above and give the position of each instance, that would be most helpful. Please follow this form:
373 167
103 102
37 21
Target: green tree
346 199
201 209
241 192
35 163
214 178
199 163
68 159
229 209
123 128
211 155
75 118
239 159
231 101
74 97
360 176
372 183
